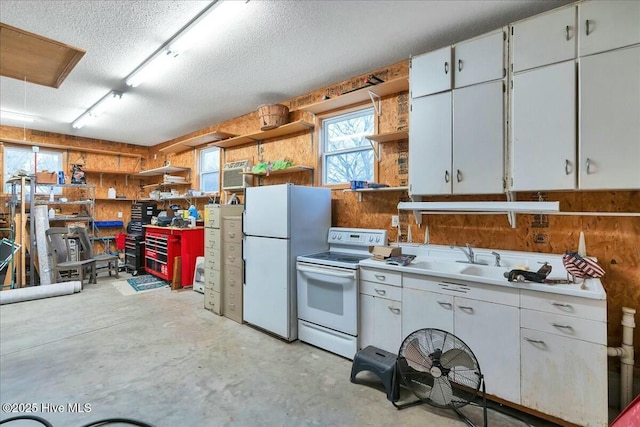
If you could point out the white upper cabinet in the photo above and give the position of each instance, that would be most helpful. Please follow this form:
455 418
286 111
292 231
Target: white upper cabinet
480 60
610 120
543 120
478 139
545 39
431 73
430 145
606 25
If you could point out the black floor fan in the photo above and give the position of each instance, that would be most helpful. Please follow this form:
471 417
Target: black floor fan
441 370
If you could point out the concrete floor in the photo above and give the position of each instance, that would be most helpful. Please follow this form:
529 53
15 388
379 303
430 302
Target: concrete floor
159 357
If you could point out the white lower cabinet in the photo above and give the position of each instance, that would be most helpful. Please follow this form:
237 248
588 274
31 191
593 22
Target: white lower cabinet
558 377
490 329
380 310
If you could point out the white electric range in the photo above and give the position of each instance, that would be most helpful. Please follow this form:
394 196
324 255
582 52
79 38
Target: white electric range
328 290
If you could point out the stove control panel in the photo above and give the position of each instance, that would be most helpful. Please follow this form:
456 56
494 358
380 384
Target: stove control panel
357 236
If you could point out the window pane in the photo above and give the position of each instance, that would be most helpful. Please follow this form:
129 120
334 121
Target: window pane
21 158
348 131
210 160
341 168
210 182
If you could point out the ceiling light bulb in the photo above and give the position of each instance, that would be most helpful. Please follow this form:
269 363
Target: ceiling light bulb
151 67
9 115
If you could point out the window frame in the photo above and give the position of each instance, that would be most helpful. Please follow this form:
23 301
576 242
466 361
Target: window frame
204 172
40 188
321 143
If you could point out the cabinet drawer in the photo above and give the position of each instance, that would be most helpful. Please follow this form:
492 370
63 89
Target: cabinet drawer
212 216
233 305
584 308
233 254
212 279
497 294
212 301
232 276
568 326
232 229
381 291
212 238
381 276
212 260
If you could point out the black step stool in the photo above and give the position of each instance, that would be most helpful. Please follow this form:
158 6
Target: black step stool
380 362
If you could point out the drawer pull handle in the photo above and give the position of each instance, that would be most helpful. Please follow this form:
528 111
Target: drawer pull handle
445 304
459 64
562 326
567 32
446 68
559 304
587 27
381 277
466 308
381 292
394 310
535 341
232 234
231 258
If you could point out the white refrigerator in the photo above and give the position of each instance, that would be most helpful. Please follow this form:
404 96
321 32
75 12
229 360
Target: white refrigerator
280 222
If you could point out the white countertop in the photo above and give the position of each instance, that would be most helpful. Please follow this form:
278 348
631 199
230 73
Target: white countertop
441 262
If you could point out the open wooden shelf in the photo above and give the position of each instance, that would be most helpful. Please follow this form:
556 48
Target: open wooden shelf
71 148
165 184
162 170
289 128
373 190
388 136
292 169
196 141
110 172
117 199
382 89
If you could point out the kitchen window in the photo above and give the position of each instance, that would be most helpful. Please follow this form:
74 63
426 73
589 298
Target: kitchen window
210 170
23 159
346 154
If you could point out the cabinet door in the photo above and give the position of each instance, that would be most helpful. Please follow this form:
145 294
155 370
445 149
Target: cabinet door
478 139
422 309
479 60
543 150
430 145
609 124
388 324
606 25
499 356
564 377
366 320
431 72
545 39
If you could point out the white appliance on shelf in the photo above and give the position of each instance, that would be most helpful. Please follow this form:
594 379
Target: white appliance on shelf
280 222
328 290
233 178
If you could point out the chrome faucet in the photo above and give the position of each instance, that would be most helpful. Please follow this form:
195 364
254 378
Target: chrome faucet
468 253
497 255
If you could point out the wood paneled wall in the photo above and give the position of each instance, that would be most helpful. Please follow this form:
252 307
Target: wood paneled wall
615 241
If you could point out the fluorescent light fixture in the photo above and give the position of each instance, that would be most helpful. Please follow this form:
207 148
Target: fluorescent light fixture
162 56
481 206
19 117
151 67
98 108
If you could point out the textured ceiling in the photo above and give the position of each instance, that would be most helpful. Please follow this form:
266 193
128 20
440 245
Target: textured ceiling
247 54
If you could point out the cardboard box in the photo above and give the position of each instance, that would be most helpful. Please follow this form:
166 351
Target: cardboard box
381 253
47 178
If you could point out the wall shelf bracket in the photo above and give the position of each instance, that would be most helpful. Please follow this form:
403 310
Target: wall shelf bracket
374 96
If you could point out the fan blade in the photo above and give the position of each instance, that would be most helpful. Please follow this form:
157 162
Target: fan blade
441 393
456 357
415 357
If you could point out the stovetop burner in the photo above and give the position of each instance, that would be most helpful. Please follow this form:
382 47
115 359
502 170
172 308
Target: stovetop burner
338 256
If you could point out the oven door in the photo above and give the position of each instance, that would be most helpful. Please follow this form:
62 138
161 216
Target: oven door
328 296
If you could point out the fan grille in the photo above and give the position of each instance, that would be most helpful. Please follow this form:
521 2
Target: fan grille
439 368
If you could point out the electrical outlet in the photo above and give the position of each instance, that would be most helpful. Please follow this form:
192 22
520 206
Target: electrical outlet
395 220
155 156
119 214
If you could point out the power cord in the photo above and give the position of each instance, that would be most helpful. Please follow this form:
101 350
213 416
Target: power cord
98 423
